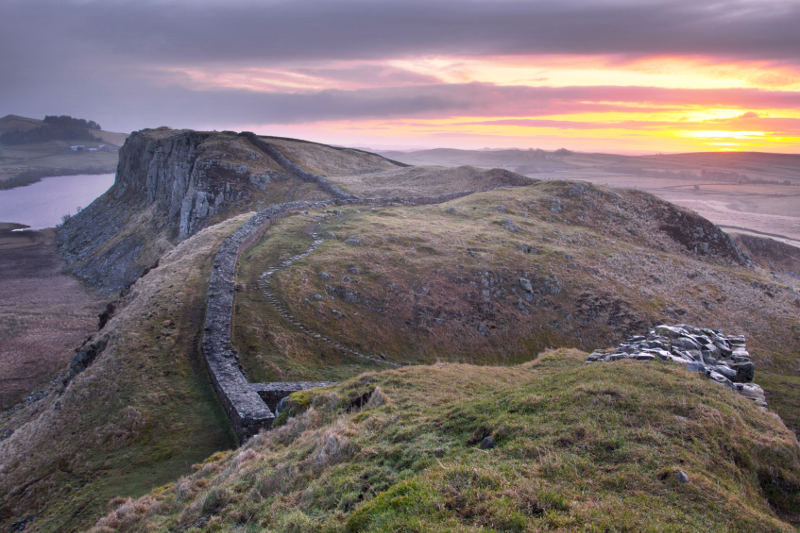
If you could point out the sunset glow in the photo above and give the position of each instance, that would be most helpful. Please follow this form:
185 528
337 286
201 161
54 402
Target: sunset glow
618 75
681 103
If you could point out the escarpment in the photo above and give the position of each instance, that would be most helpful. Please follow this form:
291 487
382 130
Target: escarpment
353 264
169 185
172 183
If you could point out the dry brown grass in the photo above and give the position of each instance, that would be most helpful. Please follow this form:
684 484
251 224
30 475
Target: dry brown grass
44 314
427 181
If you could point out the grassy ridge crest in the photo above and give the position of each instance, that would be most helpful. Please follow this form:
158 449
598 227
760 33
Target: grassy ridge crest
576 447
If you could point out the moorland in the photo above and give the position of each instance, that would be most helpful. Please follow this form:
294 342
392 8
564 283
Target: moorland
477 312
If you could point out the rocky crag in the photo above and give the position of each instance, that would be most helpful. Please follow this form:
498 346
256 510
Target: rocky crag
723 358
169 185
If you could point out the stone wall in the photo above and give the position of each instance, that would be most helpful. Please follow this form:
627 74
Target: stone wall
292 168
242 401
246 410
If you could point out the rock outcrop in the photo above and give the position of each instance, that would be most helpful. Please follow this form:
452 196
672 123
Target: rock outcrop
723 358
169 185
172 183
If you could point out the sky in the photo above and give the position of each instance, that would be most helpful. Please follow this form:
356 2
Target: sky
621 76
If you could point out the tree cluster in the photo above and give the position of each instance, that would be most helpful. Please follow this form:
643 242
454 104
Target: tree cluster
54 128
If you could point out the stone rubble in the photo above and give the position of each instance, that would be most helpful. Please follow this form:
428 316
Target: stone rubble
723 358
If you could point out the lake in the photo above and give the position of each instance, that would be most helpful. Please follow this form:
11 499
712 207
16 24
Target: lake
43 204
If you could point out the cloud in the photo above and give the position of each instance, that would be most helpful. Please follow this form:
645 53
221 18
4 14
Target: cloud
186 108
124 63
273 32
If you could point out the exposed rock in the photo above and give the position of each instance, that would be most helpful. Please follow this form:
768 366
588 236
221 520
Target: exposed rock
487 443
169 185
723 358
526 285
510 226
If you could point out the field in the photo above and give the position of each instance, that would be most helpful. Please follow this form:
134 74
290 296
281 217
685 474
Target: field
21 164
44 314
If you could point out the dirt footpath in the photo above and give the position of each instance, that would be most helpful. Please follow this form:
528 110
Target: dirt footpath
44 314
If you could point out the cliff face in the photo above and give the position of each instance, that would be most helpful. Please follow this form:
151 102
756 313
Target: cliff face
172 183
169 185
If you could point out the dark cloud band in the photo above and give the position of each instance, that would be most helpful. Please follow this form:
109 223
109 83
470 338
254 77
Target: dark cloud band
281 31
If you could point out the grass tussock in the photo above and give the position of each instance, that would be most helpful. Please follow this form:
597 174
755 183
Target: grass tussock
576 447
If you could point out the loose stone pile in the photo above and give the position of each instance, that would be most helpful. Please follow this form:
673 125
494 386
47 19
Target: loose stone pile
723 358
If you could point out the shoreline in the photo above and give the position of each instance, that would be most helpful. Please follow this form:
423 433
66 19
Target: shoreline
29 177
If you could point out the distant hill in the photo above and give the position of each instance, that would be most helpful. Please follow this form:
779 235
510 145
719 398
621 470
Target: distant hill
746 191
57 145
15 122
751 167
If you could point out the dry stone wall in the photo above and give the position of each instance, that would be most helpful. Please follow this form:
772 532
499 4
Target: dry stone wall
246 409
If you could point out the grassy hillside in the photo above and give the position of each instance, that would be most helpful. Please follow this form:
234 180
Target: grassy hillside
21 164
370 175
496 277
138 417
573 447
489 279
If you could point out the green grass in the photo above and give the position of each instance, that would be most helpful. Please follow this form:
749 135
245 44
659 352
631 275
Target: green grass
594 448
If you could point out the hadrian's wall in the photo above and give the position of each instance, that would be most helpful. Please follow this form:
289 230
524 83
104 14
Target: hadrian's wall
246 409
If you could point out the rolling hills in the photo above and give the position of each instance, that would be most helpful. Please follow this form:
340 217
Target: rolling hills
742 191
490 302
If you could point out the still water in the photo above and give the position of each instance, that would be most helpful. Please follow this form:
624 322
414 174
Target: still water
43 204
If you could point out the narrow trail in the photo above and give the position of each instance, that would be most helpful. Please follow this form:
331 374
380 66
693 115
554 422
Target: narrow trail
265 284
